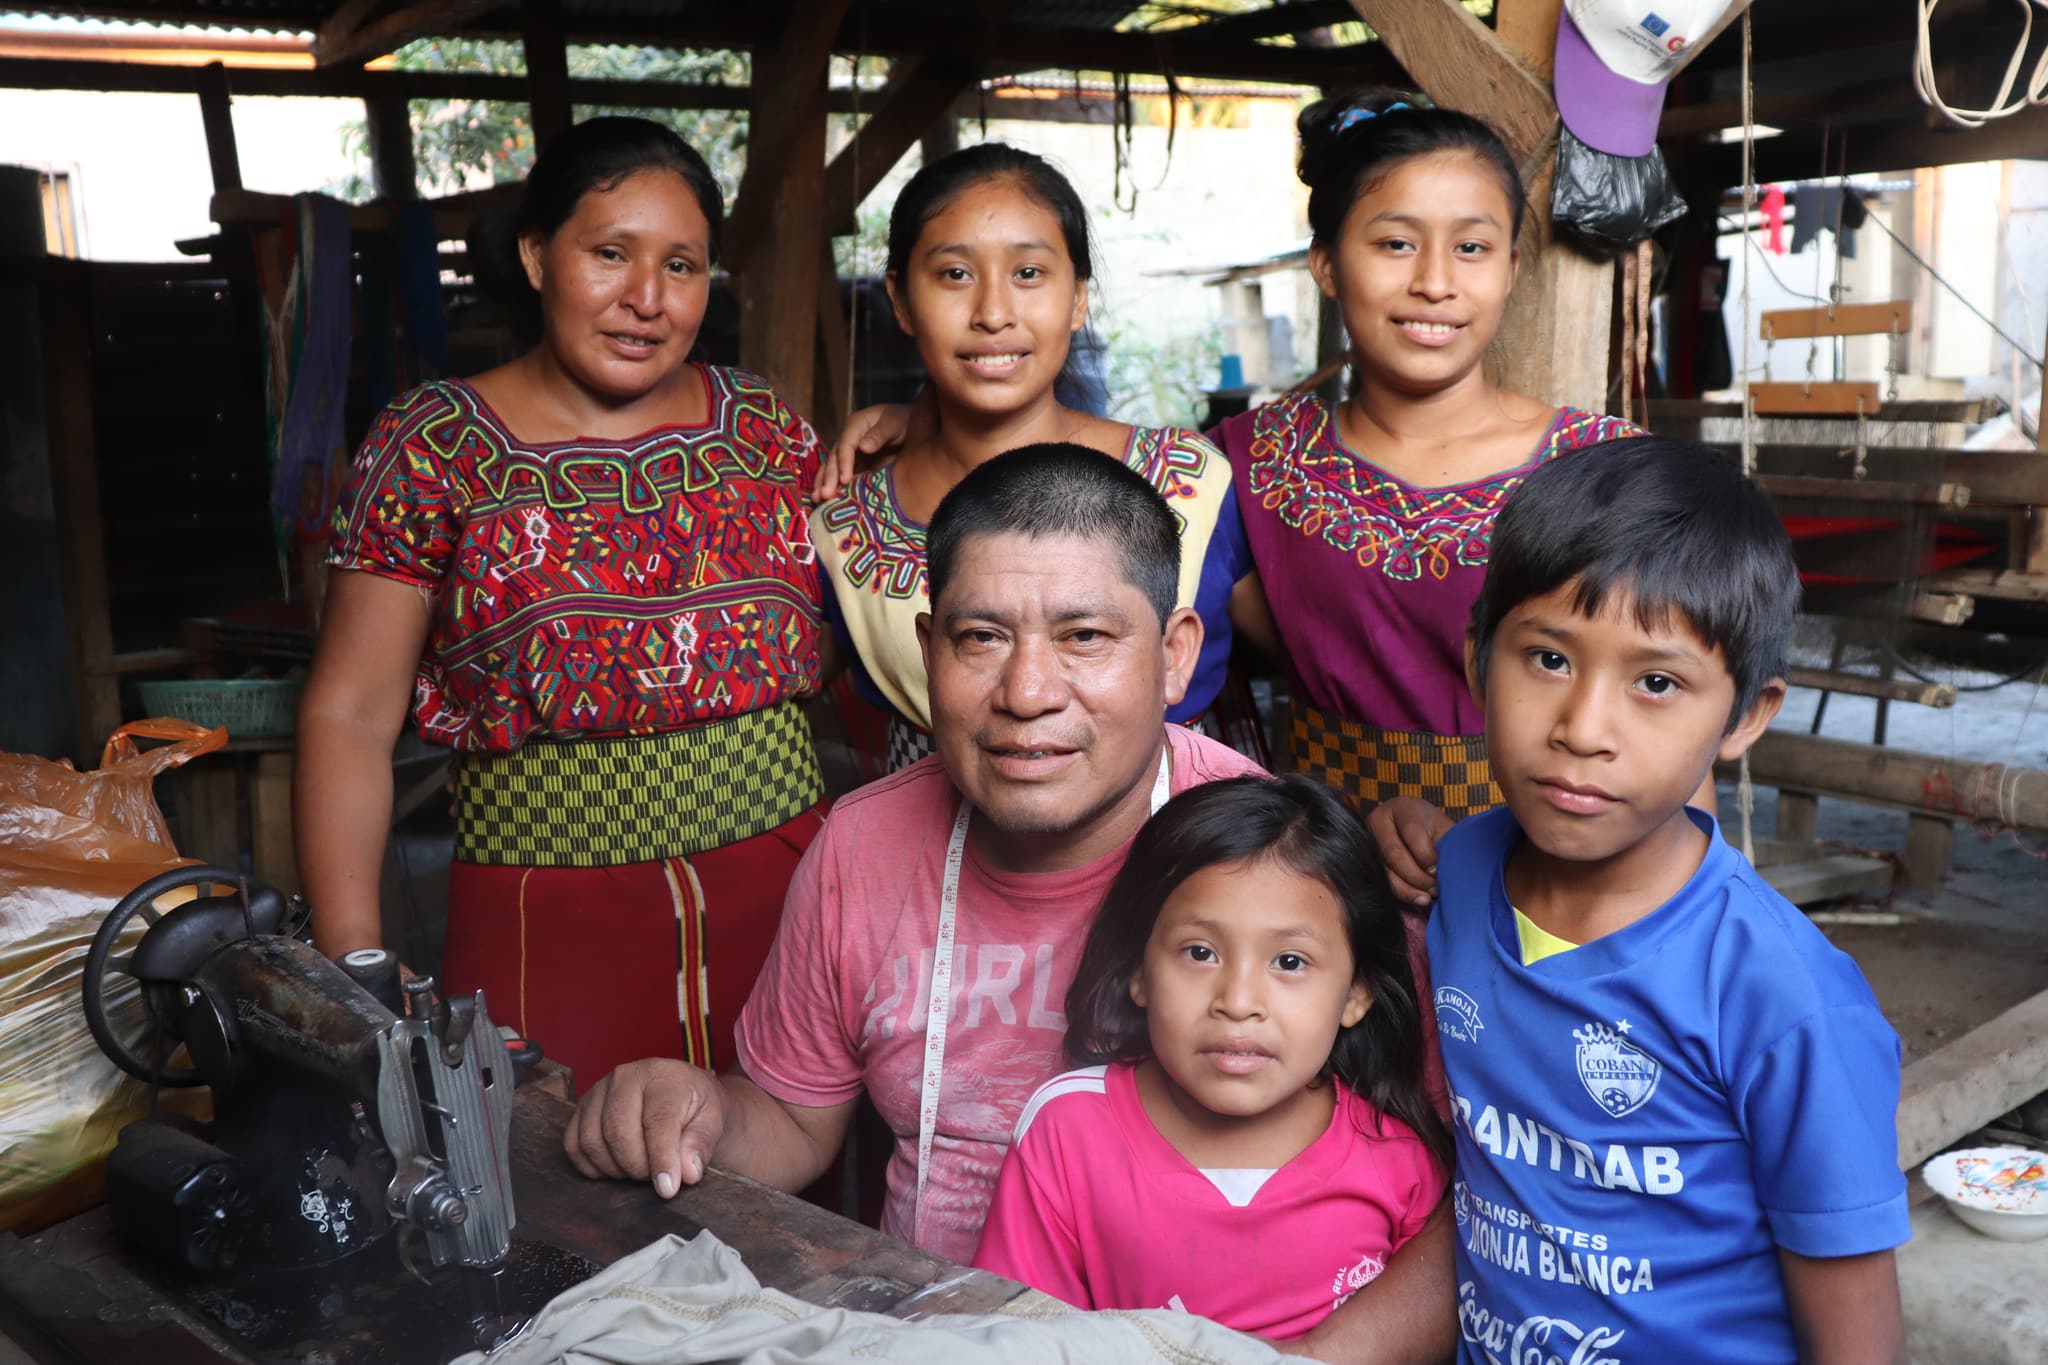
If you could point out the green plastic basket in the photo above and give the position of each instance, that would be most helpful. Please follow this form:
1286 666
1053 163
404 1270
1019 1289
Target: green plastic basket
251 708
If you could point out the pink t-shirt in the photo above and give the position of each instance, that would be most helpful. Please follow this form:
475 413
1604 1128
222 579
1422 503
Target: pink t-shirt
840 1004
1097 1208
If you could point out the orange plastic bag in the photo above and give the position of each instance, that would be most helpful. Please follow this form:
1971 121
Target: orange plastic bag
71 845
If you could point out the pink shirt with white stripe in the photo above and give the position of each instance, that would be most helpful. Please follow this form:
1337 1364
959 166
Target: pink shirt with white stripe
1095 1207
839 1008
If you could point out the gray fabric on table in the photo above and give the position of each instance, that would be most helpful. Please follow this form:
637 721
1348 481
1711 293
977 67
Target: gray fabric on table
694 1302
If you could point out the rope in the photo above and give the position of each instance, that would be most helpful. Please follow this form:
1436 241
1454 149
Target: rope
1939 279
853 295
2004 104
1630 264
1745 787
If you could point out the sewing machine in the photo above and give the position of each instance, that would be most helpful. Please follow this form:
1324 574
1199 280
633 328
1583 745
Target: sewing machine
83 1292
340 1119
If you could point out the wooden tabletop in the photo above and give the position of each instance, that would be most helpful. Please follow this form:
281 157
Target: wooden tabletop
72 1294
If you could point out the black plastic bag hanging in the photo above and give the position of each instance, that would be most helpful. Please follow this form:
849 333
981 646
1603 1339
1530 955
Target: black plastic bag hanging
1607 203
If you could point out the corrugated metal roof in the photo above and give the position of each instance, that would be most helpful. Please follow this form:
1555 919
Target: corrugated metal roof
305 16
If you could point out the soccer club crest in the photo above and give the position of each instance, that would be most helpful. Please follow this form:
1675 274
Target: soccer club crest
1619 1076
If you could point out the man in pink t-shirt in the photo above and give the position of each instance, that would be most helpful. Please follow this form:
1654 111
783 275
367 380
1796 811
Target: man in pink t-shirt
1053 648
858 933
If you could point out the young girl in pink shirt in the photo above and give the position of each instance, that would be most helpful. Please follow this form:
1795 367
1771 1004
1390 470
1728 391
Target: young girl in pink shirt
1248 1136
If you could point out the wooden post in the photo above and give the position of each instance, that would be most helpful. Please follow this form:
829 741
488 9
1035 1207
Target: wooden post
1798 817
547 70
835 355
785 98
1529 30
2040 413
778 221
66 308
1930 844
215 114
2036 559
392 169
1554 342
271 850
942 138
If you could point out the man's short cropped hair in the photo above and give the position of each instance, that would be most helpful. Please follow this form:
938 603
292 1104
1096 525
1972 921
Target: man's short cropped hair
1674 527
1061 489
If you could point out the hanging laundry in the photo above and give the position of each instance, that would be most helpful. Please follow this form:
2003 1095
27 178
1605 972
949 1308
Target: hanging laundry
404 332
307 328
1772 206
1835 208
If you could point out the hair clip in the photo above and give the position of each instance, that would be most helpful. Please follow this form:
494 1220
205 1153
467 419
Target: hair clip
1353 116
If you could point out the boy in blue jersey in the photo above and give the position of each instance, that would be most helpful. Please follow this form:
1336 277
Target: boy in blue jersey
1674 1098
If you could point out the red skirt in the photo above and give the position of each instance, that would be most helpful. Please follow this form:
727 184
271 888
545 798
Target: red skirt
606 965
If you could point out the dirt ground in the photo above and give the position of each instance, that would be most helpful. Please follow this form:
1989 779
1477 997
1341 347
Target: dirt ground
1978 945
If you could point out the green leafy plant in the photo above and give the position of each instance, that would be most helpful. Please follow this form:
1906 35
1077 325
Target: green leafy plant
457 143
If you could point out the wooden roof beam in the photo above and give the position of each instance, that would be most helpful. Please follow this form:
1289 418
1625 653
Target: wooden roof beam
1779 107
40 73
999 46
1461 63
1274 21
1895 145
35 73
350 37
918 94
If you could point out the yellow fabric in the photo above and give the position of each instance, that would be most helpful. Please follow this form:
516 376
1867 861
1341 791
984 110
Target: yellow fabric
1538 942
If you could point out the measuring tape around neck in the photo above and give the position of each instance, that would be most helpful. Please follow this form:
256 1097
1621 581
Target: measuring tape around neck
940 1006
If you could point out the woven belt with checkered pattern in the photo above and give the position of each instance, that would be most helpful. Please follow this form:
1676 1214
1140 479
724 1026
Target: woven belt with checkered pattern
636 798
1369 765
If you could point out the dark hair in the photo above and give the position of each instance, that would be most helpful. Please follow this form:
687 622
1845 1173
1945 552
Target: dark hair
1350 142
1673 526
1302 825
1060 489
596 154
938 183
599 153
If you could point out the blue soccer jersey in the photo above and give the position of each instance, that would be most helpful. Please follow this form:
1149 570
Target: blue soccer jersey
1644 1120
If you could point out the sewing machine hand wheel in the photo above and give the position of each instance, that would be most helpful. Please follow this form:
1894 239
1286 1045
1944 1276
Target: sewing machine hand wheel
171 949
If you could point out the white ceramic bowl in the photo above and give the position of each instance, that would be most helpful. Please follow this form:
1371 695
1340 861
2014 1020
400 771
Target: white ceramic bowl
2002 1192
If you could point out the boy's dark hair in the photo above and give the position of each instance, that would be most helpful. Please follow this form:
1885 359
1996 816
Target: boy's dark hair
1673 526
1061 489
1302 825
938 183
1350 142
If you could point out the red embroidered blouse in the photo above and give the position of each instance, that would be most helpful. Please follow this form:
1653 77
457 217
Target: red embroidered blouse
592 587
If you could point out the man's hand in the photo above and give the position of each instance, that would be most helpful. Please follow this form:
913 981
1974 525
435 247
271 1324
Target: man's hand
1406 829
658 1119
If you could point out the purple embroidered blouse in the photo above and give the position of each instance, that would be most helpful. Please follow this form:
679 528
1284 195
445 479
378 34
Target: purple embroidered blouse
1372 579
